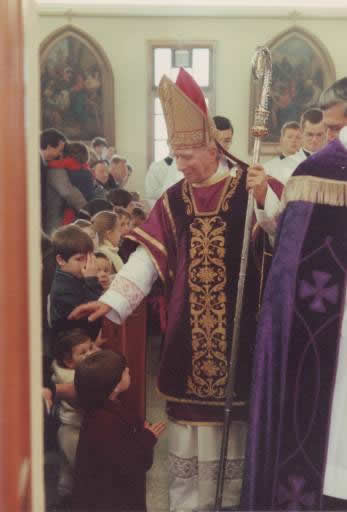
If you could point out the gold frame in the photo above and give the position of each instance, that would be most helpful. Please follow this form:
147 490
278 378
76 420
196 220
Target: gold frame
105 67
327 65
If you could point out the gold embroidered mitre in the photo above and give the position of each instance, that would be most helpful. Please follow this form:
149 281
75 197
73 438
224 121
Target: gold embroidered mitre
188 122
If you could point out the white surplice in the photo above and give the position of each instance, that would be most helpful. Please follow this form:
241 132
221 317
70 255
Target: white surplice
282 170
335 479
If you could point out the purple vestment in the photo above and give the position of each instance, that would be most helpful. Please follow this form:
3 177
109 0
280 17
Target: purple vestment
297 343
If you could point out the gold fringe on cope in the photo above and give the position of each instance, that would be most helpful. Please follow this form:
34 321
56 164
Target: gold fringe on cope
315 190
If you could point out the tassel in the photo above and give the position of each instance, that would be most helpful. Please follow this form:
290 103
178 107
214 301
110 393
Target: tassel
315 190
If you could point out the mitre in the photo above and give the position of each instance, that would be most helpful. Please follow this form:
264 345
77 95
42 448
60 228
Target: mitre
188 122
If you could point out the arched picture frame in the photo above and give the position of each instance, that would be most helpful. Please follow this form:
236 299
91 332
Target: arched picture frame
301 69
77 86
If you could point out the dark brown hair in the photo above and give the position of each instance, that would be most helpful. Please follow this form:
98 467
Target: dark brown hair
119 197
66 341
138 212
51 137
313 115
69 240
97 376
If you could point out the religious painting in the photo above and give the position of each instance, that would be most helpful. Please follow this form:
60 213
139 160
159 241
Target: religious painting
301 70
76 87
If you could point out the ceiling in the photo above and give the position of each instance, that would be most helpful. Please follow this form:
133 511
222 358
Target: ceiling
294 9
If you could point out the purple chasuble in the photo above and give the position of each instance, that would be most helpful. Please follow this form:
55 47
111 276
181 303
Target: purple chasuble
297 342
194 235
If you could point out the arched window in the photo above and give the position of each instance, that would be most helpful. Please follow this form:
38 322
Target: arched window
301 69
77 87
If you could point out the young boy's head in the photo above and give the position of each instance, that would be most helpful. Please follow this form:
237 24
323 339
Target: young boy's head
71 347
101 376
72 245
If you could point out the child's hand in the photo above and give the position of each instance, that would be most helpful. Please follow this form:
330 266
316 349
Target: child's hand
48 398
90 270
156 428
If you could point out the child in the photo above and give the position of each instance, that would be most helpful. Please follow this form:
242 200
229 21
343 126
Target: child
138 216
75 280
71 347
125 220
104 267
114 451
107 226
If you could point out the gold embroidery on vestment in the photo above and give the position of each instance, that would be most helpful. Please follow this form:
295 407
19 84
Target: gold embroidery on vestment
231 191
230 186
219 403
187 197
151 239
169 214
207 282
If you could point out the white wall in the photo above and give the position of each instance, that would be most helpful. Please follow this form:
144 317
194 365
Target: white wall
124 40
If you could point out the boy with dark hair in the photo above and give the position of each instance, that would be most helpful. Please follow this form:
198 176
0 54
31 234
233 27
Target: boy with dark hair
75 280
114 450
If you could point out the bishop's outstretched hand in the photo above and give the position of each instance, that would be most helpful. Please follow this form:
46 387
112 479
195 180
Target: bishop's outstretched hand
93 310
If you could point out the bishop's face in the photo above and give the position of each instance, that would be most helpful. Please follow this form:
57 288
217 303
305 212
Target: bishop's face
198 164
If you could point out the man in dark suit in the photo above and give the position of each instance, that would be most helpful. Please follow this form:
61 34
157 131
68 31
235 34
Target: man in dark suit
57 190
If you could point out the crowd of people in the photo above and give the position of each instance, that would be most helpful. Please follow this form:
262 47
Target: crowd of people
191 244
86 214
